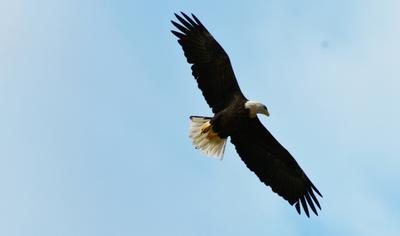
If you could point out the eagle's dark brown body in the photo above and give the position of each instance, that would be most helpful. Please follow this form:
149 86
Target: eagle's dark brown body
232 119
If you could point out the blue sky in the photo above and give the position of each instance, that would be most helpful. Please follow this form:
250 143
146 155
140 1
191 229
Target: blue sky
95 99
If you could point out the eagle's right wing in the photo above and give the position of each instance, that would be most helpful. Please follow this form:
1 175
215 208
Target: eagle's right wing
211 66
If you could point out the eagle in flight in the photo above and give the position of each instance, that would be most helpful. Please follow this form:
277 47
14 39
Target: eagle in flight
236 117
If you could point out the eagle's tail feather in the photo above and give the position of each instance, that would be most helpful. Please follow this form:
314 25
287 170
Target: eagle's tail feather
204 137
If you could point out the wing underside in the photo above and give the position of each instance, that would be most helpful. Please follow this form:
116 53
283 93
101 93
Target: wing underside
275 167
211 66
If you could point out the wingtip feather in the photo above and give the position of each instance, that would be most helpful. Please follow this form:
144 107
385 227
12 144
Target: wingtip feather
316 190
305 207
187 23
198 22
298 209
177 34
311 192
311 204
180 27
188 19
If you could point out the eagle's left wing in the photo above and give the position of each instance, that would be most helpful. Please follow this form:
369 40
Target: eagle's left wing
275 166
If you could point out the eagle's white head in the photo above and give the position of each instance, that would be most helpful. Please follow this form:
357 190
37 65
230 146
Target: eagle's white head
256 108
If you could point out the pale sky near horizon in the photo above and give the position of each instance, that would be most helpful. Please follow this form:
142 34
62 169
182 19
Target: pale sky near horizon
95 99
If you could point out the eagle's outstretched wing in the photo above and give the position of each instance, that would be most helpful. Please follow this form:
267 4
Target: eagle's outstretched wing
274 166
211 66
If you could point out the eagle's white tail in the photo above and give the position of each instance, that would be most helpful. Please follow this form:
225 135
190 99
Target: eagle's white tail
204 137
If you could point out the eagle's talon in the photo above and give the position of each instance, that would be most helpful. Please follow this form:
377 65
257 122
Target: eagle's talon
205 128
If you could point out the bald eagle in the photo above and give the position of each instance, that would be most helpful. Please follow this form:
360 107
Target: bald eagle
236 117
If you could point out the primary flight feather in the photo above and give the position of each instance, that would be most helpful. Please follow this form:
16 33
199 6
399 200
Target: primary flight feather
235 116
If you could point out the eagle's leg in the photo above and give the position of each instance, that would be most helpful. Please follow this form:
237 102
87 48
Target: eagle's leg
207 129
